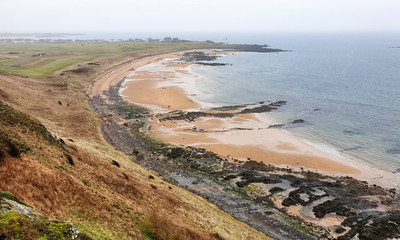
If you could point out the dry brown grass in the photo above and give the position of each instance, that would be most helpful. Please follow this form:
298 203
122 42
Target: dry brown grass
106 201
160 227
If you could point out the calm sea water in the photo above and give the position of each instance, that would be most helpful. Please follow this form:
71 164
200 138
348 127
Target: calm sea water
345 86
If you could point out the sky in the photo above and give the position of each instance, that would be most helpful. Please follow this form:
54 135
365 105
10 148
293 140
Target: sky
80 16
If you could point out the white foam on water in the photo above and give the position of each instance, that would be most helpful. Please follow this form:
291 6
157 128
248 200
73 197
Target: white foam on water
329 150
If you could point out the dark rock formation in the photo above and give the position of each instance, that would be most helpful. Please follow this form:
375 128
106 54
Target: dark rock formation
212 64
264 108
373 225
257 48
331 206
197 56
297 121
277 126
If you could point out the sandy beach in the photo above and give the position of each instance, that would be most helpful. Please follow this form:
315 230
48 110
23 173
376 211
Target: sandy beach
162 84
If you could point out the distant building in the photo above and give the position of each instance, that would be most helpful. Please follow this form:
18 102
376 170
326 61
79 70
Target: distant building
167 39
152 40
175 39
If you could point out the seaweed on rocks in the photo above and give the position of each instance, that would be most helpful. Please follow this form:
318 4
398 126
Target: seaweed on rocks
229 108
276 126
191 116
332 206
197 56
251 176
296 198
373 225
212 64
258 166
264 108
219 112
297 121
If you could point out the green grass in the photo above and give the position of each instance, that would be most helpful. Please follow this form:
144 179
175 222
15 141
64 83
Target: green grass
8 61
17 226
296 225
93 228
253 191
97 231
48 66
153 144
133 111
58 56
10 196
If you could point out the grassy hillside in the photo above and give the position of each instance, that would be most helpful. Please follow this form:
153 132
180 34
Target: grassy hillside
53 156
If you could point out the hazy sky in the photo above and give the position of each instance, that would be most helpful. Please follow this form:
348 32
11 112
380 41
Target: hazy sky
198 15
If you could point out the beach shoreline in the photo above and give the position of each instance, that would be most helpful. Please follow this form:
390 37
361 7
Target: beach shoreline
268 197
167 84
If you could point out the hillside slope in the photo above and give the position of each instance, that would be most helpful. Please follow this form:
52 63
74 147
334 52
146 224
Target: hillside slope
53 156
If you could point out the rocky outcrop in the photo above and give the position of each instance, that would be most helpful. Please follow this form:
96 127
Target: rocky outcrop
212 64
19 220
297 121
220 112
257 48
264 108
197 56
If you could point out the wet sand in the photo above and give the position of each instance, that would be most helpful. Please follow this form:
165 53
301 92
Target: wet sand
268 145
147 92
166 85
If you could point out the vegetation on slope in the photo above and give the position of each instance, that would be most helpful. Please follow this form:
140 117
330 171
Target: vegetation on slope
68 172
18 220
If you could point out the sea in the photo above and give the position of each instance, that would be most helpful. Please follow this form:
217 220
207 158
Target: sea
345 86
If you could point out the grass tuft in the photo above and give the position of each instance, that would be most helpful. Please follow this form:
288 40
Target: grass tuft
10 196
159 227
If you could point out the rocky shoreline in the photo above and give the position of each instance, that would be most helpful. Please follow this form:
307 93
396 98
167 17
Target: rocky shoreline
260 195
122 129
280 202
